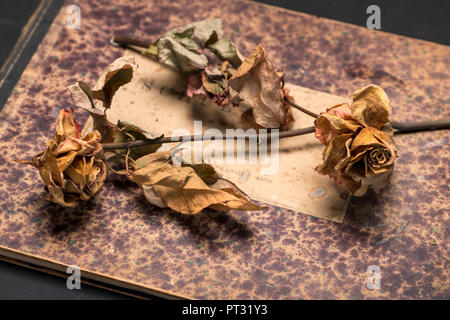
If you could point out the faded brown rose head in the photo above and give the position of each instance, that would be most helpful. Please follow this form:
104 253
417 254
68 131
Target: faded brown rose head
360 149
71 166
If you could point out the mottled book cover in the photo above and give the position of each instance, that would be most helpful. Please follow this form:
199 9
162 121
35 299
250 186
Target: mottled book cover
118 239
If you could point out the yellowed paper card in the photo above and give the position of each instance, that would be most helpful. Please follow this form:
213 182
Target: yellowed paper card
154 101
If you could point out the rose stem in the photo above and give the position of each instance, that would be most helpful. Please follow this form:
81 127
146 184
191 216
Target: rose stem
138 143
401 127
296 106
405 127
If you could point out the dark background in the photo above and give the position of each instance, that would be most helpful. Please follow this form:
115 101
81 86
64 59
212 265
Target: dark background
424 19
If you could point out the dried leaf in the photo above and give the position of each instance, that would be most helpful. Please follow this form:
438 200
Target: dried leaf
115 75
226 51
180 49
82 98
118 73
181 188
215 82
174 54
153 197
258 84
228 186
205 171
248 120
214 87
206 32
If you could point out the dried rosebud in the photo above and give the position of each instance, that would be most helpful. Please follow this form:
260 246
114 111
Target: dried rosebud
71 166
360 149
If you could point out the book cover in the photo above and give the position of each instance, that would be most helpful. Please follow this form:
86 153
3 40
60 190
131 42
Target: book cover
119 239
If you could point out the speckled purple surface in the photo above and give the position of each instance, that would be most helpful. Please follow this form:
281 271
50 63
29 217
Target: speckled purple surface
273 254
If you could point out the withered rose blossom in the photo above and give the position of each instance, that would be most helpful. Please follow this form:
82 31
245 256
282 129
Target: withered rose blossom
261 87
71 167
360 149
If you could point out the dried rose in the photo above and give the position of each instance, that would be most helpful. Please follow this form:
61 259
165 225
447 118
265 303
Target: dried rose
360 149
71 167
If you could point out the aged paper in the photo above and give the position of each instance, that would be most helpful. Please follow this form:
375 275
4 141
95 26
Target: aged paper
154 101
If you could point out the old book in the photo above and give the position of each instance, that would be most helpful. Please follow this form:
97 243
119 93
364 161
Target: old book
120 241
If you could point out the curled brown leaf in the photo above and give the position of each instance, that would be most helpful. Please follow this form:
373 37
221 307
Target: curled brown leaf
261 87
184 188
117 74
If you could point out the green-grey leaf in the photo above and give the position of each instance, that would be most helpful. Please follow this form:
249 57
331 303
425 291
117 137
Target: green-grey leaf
186 60
226 50
182 48
207 31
